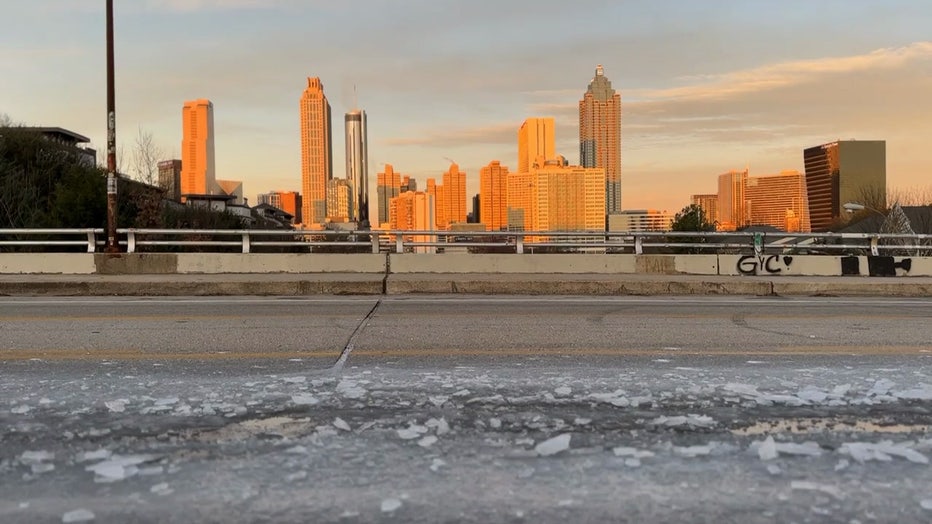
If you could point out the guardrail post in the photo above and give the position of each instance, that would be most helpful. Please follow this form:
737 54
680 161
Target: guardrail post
758 244
246 242
375 243
638 245
91 241
519 243
130 241
875 241
399 244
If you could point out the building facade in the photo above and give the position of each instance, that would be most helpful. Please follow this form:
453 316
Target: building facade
535 139
316 152
414 211
287 201
454 195
600 136
732 201
340 205
841 172
388 186
492 210
640 220
556 197
198 175
709 205
779 201
170 179
357 165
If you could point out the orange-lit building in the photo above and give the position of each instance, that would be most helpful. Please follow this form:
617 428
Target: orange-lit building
454 196
779 201
413 211
556 197
493 196
535 139
709 205
340 201
732 201
170 178
316 152
198 175
287 201
600 136
388 187
841 172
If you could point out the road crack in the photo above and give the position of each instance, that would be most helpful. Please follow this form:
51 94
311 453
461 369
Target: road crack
351 343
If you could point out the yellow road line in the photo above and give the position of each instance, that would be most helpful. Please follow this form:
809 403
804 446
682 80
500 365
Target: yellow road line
56 355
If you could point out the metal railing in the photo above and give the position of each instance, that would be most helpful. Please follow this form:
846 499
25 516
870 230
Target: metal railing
258 241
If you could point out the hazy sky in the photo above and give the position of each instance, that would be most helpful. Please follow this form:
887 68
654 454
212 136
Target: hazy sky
706 86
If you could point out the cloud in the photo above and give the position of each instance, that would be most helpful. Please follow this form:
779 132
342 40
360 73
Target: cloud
489 134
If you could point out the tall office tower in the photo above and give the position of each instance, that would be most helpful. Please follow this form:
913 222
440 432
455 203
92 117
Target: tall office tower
408 184
600 135
779 201
535 139
198 176
732 201
440 210
493 196
477 208
556 197
170 179
454 194
316 152
357 165
841 172
709 205
388 187
340 197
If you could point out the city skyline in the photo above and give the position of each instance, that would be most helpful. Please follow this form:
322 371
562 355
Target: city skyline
694 104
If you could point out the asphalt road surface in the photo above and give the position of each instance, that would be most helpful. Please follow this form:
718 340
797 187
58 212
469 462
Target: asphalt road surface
465 409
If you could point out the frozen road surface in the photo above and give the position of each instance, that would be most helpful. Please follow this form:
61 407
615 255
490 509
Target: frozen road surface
466 409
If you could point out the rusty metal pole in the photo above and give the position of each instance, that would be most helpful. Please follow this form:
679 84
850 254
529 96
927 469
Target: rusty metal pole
112 245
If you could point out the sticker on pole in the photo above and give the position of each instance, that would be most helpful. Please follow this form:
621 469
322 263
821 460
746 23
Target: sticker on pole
111 185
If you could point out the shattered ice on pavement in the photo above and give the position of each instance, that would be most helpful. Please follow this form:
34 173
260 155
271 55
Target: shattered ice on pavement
554 445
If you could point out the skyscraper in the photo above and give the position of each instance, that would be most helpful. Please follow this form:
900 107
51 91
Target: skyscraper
732 201
556 197
600 135
535 139
357 165
388 187
493 196
454 195
709 205
340 203
841 172
779 201
316 152
198 176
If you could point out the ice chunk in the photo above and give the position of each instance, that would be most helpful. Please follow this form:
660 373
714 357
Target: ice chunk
349 389
616 398
118 467
926 504
390 505
881 387
553 445
295 380
35 457
693 421
495 423
437 464
42 467
300 475
21 409
427 441
806 485
924 392
441 427
78 515
304 399
339 423
624 451
633 462
745 390
411 432
774 469
438 400
580 421
812 394
166 401
809 449
882 451
100 454
161 489
767 450
694 451
842 464
563 391
296 450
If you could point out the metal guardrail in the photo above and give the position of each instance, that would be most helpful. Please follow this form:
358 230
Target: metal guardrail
250 241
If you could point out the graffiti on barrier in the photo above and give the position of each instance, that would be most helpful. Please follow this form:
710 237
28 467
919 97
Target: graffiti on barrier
770 264
877 266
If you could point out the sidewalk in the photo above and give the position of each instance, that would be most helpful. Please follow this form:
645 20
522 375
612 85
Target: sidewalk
282 284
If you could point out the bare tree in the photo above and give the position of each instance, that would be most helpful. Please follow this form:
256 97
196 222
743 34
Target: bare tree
910 196
5 120
146 156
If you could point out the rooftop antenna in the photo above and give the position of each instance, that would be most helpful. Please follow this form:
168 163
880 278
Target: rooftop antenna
355 98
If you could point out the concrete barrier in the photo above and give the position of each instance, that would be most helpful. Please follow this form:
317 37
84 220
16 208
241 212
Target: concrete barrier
280 263
780 265
47 263
677 264
510 263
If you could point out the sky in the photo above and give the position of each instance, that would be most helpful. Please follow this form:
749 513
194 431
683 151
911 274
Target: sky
706 86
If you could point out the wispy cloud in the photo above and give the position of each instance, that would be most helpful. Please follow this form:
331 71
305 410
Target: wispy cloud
491 134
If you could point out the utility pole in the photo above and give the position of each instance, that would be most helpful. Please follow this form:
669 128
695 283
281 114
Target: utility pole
112 245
